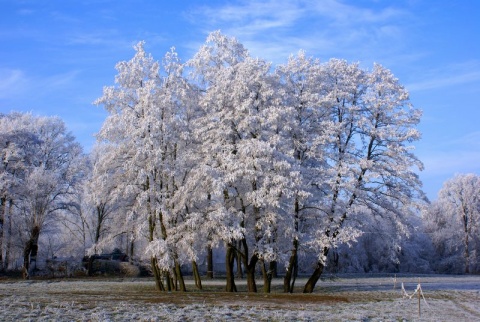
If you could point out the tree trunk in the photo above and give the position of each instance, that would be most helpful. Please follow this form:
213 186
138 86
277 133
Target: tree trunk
467 253
274 269
6 260
132 250
169 281
179 277
250 272
156 274
90 266
3 210
30 253
267 277
209 262
238 258
229 260
292 270
312 281
196 275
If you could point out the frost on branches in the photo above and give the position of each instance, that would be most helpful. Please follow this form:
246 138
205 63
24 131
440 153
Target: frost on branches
41 166
270 163
454 224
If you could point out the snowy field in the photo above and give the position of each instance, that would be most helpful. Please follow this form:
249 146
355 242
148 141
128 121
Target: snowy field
344 298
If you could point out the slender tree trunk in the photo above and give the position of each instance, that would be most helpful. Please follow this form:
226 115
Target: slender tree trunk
174 278
153 260
34 249
250 272
312 281
466 244
292 270
156 274
274 269
90 265
209 262
179 277
3 210
131 253
467 253
9 236
30 252
267 277
196 275
229 260
238 259
169 281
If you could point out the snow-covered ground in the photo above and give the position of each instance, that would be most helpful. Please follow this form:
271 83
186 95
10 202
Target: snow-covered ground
345 298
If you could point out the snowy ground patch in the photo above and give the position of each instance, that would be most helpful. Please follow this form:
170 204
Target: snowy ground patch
347 298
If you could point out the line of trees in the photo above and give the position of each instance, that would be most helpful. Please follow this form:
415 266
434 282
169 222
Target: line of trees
300 167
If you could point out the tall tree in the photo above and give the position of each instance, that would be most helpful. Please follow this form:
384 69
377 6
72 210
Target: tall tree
454 223
304 131
238 141
47 175
370 162
147 128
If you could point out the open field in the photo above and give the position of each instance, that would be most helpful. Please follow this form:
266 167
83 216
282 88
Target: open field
345 298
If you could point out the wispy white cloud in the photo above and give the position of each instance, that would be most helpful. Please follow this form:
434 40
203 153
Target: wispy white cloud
347 14
59 81
448 157
331 28
97 37
447 76
451 162
260 15
15 82
12 82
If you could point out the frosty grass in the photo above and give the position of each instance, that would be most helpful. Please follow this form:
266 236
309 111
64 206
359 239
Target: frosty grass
447 298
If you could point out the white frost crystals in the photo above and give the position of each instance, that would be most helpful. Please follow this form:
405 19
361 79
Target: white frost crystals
272 162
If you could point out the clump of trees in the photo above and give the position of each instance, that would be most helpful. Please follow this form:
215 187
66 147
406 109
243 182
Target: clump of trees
297 168
271 163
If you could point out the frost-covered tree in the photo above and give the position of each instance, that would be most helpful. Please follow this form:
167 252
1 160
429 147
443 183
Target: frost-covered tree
147 128
369 158
45 160
17 148
453 221
304 133
98 208
382 247
238 136
271 163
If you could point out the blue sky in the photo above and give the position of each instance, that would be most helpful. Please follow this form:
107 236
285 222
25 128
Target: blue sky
56 55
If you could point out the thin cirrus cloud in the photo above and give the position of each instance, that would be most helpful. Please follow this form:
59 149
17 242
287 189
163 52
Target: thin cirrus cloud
446 163
447 76
13 83
461 152
102 38
330 28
